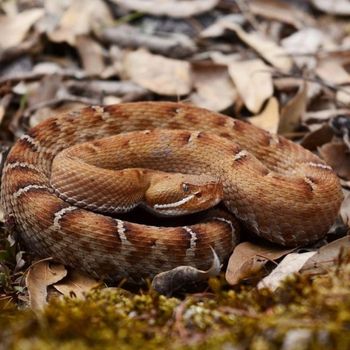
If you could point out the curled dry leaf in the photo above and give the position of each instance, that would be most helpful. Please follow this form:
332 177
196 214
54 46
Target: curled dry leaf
14 28
292 263
171 8
164 76
180 277
268 119
270 51
253 82
317 137
41 275
77 284
248 259
337 155
214 88
335 7
327 256
292 112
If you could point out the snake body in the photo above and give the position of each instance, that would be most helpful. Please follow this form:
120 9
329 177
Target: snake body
279 190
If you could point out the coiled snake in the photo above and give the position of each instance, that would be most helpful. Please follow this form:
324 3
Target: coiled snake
279 190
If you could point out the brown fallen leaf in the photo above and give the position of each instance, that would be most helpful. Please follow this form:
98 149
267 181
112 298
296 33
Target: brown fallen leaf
334 7
253 81
248 259
291 263
14 28
268 119
337 155
327 256
171 8
214 88
293 110
77 284
270 51
317 137
41 275
164 76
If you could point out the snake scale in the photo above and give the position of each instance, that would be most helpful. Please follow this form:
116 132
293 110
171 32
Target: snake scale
277 189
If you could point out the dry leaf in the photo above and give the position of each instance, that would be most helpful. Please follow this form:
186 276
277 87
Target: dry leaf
214 88
343 95
292 263
317 137
338 157
13 29
327 256
345 210
41 275
266 48
332 71
293 110
280 11
159 74
77 284
180 277
79 19
171 8
334 7
248 259
268 119
253 82
91 54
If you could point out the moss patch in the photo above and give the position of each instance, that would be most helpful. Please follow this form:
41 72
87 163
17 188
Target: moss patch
305 313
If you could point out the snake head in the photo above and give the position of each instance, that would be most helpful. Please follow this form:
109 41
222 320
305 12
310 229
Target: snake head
182 194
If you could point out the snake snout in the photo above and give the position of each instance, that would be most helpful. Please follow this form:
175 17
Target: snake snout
183 194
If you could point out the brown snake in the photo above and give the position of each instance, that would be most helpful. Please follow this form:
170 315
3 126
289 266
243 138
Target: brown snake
279 190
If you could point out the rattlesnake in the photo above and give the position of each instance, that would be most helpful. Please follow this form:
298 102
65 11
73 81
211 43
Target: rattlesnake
277 189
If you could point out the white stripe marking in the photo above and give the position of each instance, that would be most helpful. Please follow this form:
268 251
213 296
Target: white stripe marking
194 135
228 222
30 140
19 165
319 165
59 215
174 204
121 231
240 155
193 237
28 188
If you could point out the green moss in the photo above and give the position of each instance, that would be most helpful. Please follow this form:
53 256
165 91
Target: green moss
310 313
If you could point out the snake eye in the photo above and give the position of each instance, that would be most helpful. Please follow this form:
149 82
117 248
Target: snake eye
185 187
